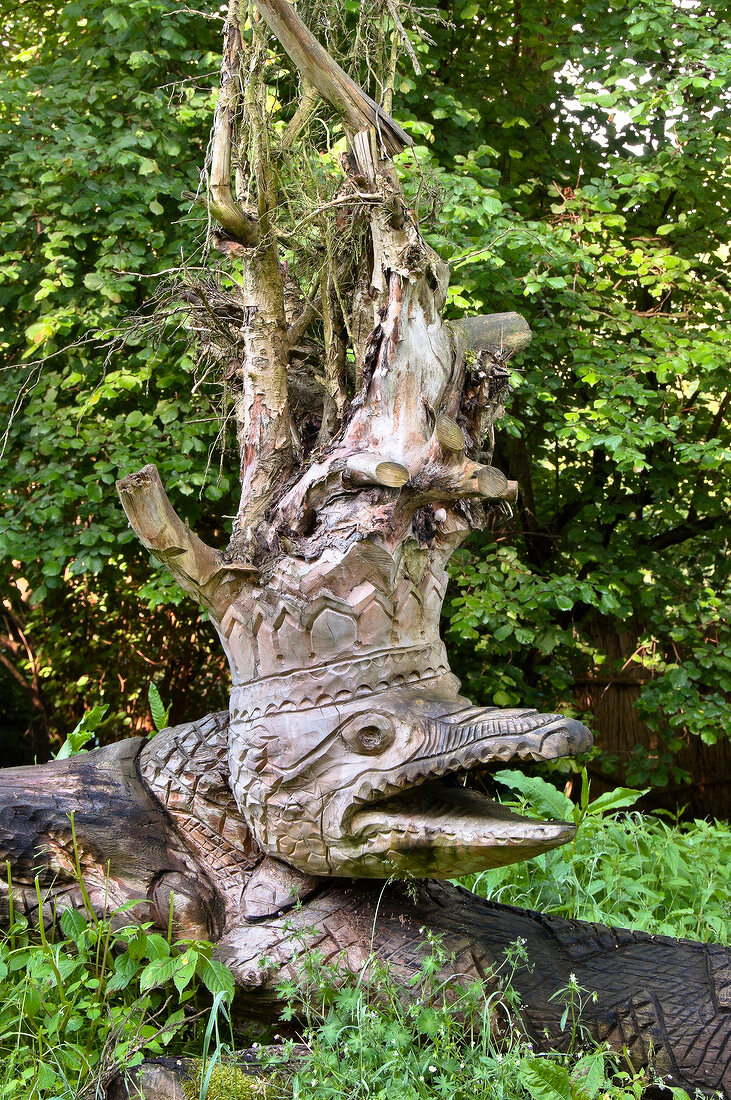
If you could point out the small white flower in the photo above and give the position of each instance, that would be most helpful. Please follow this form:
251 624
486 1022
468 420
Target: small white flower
572 979
432 1069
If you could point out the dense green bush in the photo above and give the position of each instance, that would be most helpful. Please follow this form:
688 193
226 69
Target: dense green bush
90 997
104 119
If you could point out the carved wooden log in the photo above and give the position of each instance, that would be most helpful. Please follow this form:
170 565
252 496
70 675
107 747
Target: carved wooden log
346 728
162 815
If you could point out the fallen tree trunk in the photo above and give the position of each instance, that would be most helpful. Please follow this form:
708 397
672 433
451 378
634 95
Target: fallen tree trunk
167 802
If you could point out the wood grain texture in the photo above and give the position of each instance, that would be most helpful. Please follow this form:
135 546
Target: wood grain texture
161 815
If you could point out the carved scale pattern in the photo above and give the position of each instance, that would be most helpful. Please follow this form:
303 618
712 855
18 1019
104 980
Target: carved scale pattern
187 770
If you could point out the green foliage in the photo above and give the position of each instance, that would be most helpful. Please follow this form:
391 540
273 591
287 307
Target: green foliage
92 997
649 872
104 119
545 799
88 997
447 1040
581 158
160 713
82 733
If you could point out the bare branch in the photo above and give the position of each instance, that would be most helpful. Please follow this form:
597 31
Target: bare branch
305 110
221 202
507 331
358 110
161 530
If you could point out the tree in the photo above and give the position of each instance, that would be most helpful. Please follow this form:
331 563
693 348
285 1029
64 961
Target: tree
598 183
628 118
105 110
344 717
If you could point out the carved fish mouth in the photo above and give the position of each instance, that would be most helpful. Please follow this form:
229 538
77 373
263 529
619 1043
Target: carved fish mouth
421 822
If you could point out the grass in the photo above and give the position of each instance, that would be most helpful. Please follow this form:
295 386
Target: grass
650 872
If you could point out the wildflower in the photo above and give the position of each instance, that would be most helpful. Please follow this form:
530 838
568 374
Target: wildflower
432 1069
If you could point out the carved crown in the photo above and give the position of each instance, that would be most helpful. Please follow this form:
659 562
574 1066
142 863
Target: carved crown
330 630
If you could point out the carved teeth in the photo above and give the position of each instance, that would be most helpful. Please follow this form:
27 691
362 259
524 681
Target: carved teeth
461 745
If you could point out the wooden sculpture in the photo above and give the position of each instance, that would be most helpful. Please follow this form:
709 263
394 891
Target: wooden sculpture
340 757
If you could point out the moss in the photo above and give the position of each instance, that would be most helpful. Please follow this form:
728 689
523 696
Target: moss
229 1082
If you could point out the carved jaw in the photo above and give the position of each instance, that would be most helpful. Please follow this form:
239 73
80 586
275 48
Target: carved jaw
367 787
424 821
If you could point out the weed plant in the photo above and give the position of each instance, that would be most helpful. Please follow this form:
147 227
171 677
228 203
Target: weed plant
643 871
442 1040
84 998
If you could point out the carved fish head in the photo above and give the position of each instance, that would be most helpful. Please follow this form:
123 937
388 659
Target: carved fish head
373 786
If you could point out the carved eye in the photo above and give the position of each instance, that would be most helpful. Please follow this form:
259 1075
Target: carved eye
368 734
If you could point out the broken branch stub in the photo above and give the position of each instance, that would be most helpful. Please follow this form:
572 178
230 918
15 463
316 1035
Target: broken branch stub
161 530
509 333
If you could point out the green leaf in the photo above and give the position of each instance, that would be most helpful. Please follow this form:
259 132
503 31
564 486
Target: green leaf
157 972
160 713
73 923
541 795
216 977
619 798
185 969
83 732
588 1076
545 1080
125 968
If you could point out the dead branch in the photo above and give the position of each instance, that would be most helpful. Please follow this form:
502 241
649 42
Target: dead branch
357 109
